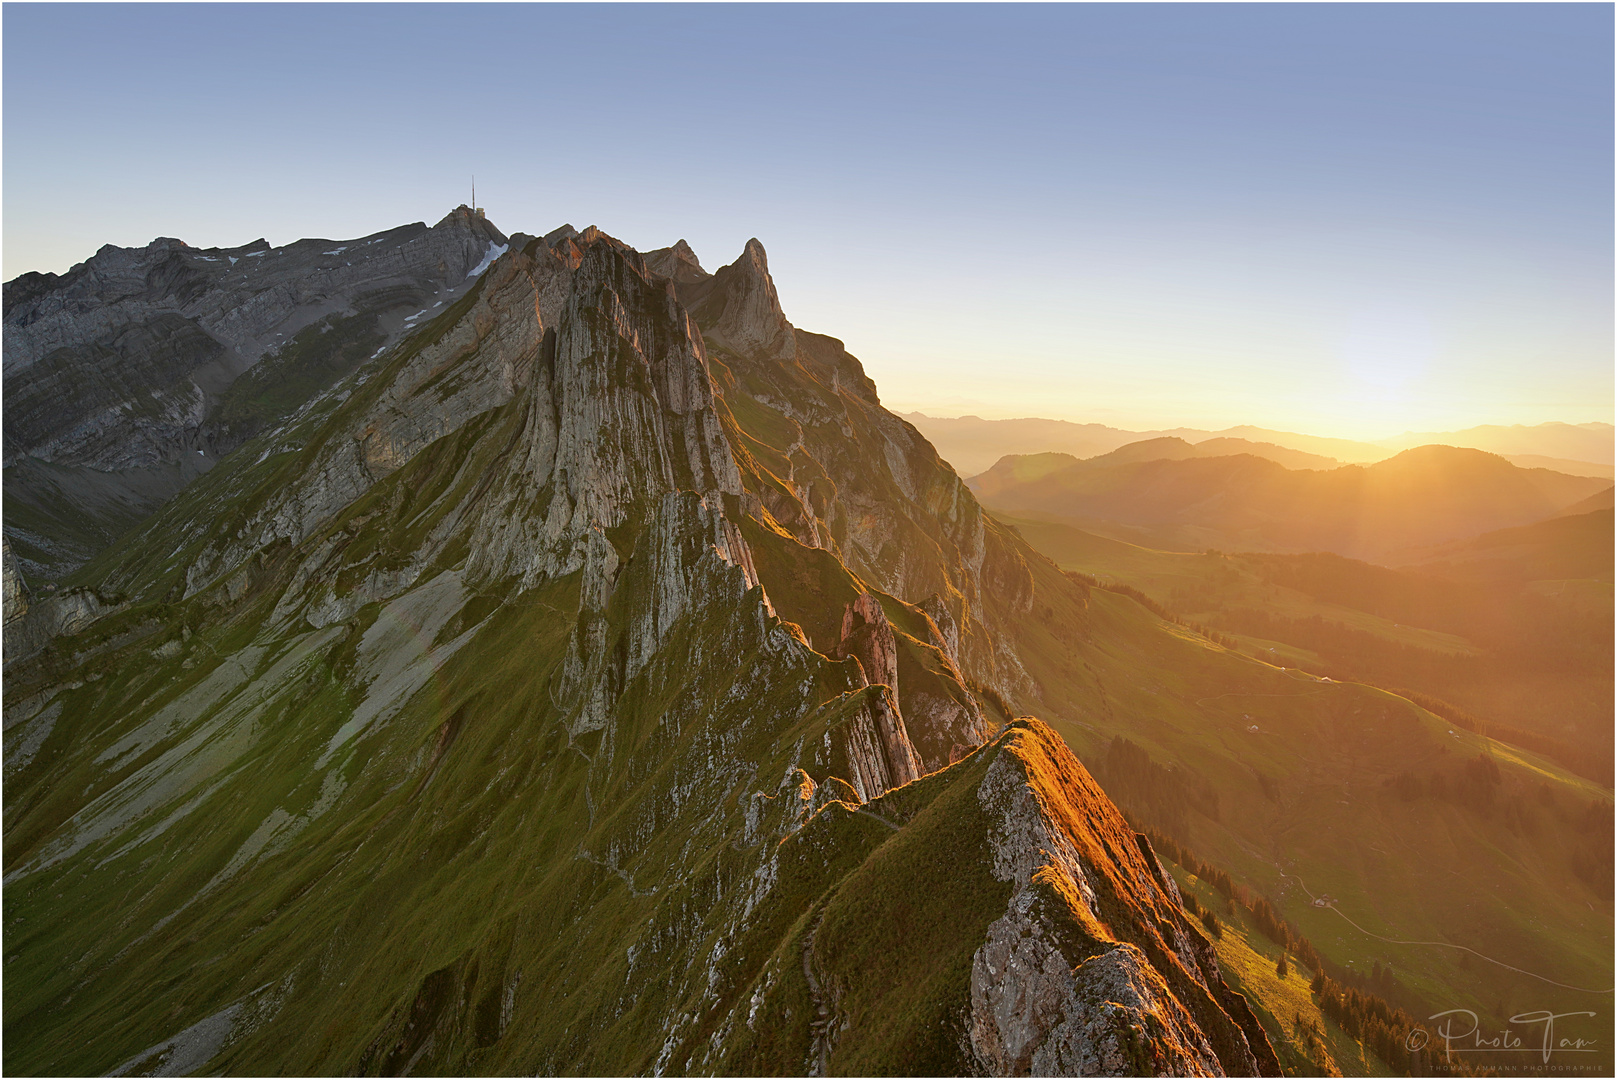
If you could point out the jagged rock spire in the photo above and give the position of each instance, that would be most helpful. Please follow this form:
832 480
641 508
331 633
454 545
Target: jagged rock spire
744 308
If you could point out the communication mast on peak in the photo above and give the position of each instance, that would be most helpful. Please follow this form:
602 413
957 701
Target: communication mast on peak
475 211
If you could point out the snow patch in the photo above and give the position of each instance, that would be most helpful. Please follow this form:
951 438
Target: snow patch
494 252
336 251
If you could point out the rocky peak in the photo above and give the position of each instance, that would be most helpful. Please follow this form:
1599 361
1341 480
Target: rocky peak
740 306
678 264
476 222
556 236
683 250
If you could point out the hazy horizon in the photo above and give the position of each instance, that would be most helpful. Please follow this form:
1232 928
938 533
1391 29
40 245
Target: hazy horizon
1148 425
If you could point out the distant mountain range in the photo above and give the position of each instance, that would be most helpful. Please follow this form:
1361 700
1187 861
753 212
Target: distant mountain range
134 372
972 444
1424 496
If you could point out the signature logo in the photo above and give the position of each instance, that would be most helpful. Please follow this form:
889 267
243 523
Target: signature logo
1461 1032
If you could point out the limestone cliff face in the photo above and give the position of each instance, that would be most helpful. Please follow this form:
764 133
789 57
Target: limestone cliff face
621 410
1093 968
741 309
116 363
134 372
849 476
455 722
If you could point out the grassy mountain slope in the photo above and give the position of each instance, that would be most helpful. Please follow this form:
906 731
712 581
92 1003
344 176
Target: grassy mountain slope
1530 652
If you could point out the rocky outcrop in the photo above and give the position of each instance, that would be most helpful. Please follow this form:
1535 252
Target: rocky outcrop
15 593
678 264
57 615
875 748
868 637
741 310
1093 968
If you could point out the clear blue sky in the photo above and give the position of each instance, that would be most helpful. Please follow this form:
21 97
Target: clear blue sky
1350 219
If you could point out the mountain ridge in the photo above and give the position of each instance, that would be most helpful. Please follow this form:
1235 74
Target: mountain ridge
553 442
1418 497
974 444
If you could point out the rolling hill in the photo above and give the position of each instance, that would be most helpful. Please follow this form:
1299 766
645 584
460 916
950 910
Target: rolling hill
1424 496
1529 653
972 444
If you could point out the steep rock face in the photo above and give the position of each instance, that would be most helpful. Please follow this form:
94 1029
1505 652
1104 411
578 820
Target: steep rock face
1093 968
741 309
678 264
455 724
139 358
868 637
833 468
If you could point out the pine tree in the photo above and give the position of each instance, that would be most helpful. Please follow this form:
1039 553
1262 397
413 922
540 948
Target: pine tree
1280 967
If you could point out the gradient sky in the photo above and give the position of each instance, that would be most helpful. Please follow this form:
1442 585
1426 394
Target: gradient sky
1351 220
